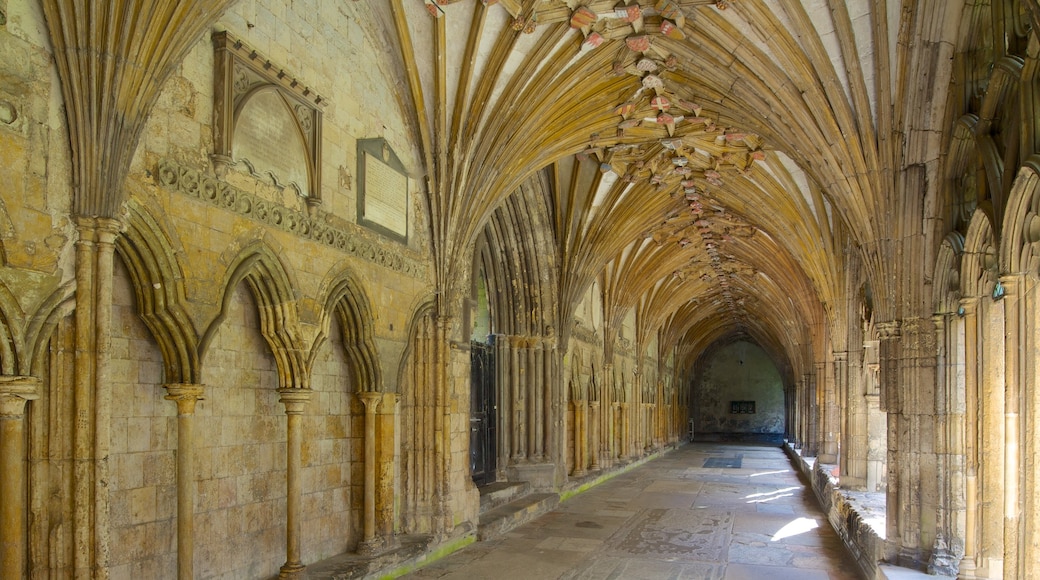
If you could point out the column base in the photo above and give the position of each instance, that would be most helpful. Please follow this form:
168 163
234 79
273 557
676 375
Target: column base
292 571
371 547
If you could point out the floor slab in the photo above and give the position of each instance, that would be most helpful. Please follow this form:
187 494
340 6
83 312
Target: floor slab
672 517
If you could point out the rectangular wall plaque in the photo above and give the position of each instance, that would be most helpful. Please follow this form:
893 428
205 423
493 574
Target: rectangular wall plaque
742 407
382 189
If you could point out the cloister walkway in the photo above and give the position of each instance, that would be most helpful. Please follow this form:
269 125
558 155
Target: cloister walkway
705 511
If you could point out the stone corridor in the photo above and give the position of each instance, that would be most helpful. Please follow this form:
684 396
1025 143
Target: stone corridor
706 511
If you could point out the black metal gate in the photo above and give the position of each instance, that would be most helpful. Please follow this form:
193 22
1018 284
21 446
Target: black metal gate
482 413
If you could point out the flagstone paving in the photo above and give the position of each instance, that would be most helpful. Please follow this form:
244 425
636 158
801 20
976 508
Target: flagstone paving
705 511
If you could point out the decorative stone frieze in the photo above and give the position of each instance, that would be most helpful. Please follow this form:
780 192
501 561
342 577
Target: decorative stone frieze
316 228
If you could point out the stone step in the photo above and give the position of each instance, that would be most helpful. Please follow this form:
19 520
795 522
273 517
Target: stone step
504 518
410 550
501 493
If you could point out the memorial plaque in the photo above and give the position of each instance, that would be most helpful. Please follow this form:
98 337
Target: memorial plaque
382 189
267 137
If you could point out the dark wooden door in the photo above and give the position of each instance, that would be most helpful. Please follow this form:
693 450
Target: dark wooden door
482 413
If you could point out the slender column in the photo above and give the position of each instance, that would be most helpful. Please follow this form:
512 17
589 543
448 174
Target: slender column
295 400
992 438
531 379
371 401
623 453
186 396
1012 410
519 390
594 409
538 379
579 438
888 360
387 453
83 399
14 393
971 407
504 400
547 391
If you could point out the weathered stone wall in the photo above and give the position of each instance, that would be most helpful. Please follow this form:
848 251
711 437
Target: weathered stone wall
144 439
240 452
333 456
738 372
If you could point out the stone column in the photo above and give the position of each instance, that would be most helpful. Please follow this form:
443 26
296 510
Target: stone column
615 433
295 401
14 393
385 483
531 379
594 438
519 417
368 544
579 439
829 414
841 390
992 438
1013 463
547 393
186 396
626 426
969 307
948 424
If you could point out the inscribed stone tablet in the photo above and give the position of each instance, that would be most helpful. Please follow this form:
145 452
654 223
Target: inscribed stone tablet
382 189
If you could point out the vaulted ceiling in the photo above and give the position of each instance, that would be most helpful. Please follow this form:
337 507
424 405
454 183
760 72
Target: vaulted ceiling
709 161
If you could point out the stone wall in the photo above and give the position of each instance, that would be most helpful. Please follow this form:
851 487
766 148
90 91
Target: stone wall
740 371
240 452
143 430
333 456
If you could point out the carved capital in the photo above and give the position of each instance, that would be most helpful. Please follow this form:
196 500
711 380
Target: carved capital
969 305
185 395
14 392
295 400
371 400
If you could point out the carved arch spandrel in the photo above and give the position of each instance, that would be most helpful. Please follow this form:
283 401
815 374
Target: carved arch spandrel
271 284
344 298
150 256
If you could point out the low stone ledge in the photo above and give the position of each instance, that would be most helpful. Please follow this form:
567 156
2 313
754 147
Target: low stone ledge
855 521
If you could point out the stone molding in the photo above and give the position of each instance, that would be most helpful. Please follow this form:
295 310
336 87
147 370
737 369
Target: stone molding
317 228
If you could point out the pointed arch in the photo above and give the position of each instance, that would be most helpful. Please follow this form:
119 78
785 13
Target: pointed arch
257 265
979 270
1020 243
946 290
158 281
344 298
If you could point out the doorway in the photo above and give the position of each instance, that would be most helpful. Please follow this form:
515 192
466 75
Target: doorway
482 413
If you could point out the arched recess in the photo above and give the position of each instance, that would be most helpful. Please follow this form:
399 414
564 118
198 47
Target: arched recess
984 397
512 380
158 283
257 264
950 402
421 478
345 299
1020 259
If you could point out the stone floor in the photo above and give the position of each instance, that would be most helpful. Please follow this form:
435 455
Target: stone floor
705 511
